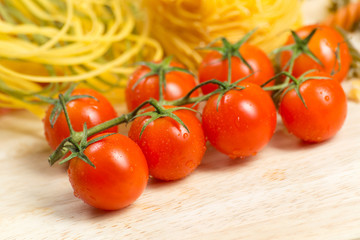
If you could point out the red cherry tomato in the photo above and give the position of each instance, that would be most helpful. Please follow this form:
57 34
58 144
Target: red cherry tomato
178 84
4 111
88 110
171 152
325 113
120 176
214 66
243 123
323 44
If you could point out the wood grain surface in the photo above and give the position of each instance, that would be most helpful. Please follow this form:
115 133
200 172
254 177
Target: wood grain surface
290 190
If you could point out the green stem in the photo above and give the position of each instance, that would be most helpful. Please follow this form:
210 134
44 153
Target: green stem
63 104
59 152
229 56
125 118
276 87
188 100
157 105
109 124
290 69
76 137
162 84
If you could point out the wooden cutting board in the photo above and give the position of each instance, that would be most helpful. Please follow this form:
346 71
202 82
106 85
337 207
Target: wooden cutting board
290 190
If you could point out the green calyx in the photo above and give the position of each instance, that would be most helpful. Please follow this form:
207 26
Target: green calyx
57 109
295 84
223 88
160 70
77 148
300 46
228 50
160 112
76 143
226 87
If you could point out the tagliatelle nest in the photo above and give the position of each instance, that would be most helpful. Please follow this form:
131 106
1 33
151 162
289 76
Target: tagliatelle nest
181 26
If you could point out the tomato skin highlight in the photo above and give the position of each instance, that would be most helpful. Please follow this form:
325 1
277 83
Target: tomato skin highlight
178 84
171 152
243 123
120 176
325 113
323 45
83 110
214 67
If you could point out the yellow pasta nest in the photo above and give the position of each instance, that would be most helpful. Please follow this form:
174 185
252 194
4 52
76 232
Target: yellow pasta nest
181 26
354 93
44 45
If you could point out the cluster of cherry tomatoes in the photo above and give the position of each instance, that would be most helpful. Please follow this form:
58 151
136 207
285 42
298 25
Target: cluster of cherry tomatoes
238 118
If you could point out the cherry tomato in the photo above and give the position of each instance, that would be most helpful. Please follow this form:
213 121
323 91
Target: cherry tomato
323 44
120 176
170 150
88 110
325 112
243 123
214 66
178 84
4 111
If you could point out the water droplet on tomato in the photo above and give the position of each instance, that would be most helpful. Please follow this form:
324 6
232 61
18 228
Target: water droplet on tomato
185 135
76 194
190 164
232 156
236 154
238 122
327 98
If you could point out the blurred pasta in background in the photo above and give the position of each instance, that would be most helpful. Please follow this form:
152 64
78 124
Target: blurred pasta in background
45 45
182 26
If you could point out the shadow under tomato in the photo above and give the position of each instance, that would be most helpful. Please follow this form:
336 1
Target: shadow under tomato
214 160
74 208
105 214
288 142
156 183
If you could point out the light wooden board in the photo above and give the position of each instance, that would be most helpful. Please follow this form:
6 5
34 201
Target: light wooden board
290 190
